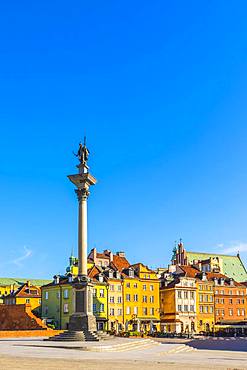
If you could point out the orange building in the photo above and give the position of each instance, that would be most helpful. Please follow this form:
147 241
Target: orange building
230 303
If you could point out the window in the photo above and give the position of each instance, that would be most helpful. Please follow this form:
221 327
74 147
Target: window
205 298
222 301
46 295
136 310
144 299
231 312
179 307
135 297
144 287
135 285
66 294
101 307
94 307
65 308
145 311
111 299
238 312
185 295
201 309
200 287
111 288
152 311
242 301
217 300
243 312
179 294
238 301
230 292
119 299
119 312
200 297
211 309
192 295
151 287
206 309
128 311
128 297
101 293
211 298
131 273
151 299
223 312
185 308
127 285
217 312
230 301
192 308
216 292
94 293
111 311
222 292
28 300
119 288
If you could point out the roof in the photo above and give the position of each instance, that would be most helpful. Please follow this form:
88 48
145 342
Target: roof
189 271
21 292
121 263
21 281
232 265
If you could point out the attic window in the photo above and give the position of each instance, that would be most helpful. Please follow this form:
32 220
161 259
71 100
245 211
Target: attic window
131 273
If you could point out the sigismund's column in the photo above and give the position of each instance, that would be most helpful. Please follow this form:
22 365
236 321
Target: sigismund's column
83 318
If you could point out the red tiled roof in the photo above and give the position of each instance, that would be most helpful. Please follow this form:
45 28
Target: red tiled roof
121 263
189 271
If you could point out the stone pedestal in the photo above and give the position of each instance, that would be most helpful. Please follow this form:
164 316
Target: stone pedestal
82 322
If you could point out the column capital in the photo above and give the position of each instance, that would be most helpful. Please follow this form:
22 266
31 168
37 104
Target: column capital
82 194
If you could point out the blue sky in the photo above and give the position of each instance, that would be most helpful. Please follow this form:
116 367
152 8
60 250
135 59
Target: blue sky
160 90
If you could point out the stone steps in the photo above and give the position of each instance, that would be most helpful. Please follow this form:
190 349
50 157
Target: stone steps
130 345
75 336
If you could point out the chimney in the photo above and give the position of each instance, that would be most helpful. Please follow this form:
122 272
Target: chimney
28 283
111 256
94 254
120 254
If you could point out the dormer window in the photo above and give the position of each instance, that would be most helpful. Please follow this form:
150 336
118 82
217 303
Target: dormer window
101 278
117 274
70 278
131 273
110 274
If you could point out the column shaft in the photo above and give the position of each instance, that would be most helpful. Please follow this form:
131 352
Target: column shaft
82 237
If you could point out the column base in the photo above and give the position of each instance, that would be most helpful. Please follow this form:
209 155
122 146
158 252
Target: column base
82 321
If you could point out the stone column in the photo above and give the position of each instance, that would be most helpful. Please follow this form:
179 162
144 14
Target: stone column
82 195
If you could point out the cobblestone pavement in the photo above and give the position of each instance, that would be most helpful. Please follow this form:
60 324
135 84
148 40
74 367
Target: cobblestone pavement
37 354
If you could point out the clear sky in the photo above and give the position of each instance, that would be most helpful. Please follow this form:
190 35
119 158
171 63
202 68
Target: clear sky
160 89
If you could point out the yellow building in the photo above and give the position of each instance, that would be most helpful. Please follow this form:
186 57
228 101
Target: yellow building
140 299
205 304
115 300
58 300
9 285
26 294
